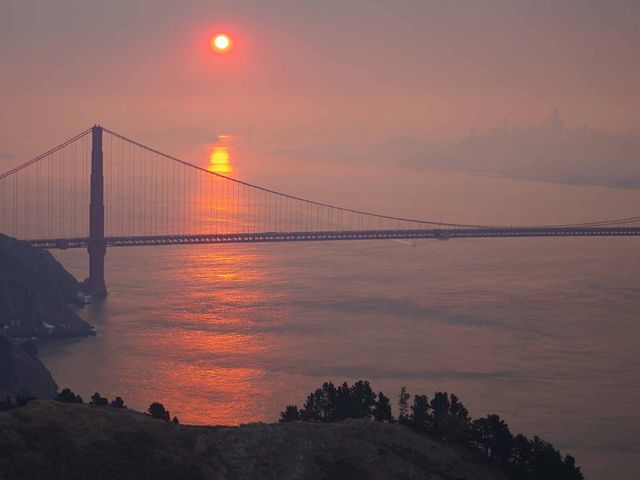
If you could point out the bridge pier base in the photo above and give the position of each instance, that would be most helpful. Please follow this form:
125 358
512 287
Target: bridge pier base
96 284
97 246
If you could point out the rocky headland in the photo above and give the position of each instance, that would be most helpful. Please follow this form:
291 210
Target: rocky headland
36 294
22 375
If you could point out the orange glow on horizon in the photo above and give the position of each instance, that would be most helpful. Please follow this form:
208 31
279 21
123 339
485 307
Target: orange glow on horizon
221 43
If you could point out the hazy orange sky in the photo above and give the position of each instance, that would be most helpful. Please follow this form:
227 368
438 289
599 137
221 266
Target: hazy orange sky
424 67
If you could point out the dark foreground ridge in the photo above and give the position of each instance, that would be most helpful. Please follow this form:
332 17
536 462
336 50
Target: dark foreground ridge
341 433
53 440
444 419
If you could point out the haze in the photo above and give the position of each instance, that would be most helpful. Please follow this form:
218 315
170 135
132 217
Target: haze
478 113
429 70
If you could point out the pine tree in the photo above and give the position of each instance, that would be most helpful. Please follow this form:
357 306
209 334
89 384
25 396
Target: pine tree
382 409
403 405
290 414
420 417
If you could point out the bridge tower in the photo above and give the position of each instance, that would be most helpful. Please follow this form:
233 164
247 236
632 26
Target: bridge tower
97 246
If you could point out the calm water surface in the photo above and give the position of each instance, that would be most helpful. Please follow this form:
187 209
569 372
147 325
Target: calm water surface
544 332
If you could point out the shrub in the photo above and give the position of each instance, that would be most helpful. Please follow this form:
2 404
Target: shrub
67 396
290 414
157 410
98 400
118 403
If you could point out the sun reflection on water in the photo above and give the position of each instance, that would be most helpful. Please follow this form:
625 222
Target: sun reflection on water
219 160
214 371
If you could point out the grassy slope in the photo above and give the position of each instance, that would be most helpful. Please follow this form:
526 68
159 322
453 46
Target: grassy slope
47 440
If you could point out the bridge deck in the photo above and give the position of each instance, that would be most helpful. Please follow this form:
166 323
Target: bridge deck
441 234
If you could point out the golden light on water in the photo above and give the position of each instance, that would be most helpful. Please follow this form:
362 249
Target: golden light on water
219 161
211 339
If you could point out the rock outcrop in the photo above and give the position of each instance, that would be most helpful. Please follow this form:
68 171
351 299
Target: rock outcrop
52 440
22 374
35 294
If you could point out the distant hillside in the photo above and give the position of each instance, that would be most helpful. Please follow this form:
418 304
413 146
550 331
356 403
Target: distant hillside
35 293
548 151
52 440
22 374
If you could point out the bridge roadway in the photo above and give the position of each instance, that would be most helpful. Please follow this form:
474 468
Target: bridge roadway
440 234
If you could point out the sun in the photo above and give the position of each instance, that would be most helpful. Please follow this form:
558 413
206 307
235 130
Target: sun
221 43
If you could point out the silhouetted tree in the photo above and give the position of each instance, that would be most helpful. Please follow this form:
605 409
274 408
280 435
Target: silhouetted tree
320 405
453 425
310 411
175 420
290 414
98 400
445 416
403 405
420 412
382 409
157 410
328 403
539 460
571 471
493 437
67 396
362 399
344 404
440 406
457 409
546 461
118 403
521 458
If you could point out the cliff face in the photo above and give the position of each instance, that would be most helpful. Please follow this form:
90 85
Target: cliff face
22 374
61 282
51 440
35 293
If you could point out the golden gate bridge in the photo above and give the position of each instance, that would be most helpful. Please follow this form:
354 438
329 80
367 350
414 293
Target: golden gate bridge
101 189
